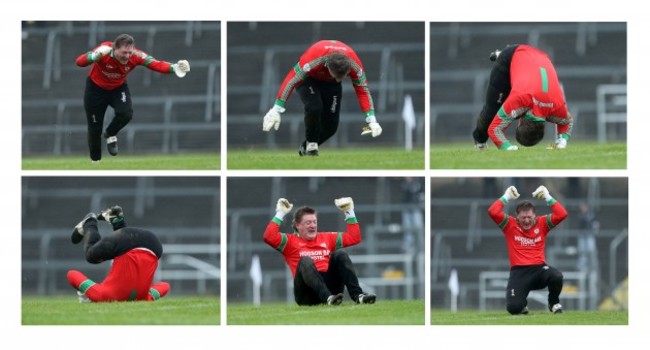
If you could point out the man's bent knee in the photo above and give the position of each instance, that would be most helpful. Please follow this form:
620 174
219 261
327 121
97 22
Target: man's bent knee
515 307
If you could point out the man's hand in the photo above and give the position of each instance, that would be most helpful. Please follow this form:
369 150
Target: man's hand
373 128
181 68
542 193
110 214
511 193
272 118
346 205
100 52
560 143
283 206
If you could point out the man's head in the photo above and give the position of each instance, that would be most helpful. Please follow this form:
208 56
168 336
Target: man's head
529 132
123 47
306 223
339 65
526 214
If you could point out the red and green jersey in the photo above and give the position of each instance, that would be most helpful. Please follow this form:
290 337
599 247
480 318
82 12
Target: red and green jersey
312 64
293 247
526 247
535 94
109 73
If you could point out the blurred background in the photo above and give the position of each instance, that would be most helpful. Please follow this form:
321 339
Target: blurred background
389 261
171 115
260 54
590 59
182 211
590 247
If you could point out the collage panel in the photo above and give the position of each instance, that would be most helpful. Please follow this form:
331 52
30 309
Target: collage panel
529 251
89 242
88 105
561 87
325 251
336 90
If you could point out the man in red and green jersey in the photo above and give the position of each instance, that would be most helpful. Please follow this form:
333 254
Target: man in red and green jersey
523 85
319 267
317 77
526 238
106 86
134 253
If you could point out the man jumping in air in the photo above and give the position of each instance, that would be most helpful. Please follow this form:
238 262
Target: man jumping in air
106 86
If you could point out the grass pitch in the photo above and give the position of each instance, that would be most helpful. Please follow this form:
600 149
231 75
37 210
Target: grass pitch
578 155
329 158
384 312
166 311
126 162
535 317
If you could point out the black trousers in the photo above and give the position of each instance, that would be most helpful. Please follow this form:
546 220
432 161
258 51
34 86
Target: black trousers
523 279
96 101
311 287
497 91
322 102
98 249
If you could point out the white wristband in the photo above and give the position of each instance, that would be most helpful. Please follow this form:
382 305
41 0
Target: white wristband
280 215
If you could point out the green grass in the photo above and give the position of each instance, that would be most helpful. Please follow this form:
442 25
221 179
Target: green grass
390 312
126 162
166 311
329 158
535 317
578 155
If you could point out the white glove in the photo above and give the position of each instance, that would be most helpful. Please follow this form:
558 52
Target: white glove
110 214
346 205
560 143
542 193
181 68
272 118
373 128
101 51
511 193
512 148
283 208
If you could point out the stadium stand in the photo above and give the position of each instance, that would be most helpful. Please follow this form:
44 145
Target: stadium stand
261 54
182 211
465 238
183 115
586 56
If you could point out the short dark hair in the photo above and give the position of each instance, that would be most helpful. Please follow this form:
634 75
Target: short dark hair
529 133
297 216
525 205
123 40
339 63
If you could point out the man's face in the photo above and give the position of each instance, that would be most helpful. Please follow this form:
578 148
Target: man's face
308 227
526 218
124 53
337 78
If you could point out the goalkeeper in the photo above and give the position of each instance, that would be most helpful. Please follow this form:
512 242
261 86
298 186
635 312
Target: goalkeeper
319 267
526 237
523 86
317 77
106 86
135 253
